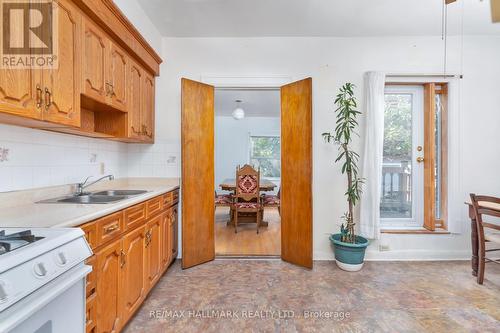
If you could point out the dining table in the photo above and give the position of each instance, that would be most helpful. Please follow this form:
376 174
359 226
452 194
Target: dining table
265 185
474 236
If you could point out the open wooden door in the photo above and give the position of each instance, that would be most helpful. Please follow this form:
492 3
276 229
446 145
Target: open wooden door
296 173
198 210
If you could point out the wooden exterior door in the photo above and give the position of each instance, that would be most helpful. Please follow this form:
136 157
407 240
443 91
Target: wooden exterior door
296 173
109 287
61 84
117 77
134 100
95 45
198 208
153 243
133 271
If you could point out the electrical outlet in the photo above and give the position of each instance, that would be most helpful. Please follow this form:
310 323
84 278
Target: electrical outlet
384 247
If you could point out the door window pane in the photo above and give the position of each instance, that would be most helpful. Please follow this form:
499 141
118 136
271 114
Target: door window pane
438 164
396 196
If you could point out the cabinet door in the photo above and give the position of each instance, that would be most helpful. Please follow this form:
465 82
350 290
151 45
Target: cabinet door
19 94
133 271
109 286
174 227
135 77
148 105
166 240
95 45
61 84
118 63
153 241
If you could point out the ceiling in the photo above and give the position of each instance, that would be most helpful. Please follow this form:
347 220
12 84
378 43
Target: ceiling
256 103
336 18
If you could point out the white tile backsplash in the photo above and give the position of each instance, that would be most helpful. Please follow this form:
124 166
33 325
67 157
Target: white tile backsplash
39 158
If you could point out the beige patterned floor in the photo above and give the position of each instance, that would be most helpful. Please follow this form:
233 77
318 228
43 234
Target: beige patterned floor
383 297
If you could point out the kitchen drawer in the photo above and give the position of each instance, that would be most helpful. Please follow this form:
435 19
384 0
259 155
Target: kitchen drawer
154 206
167 199
90 230
91 281
91 314
175 196
135 216
109 227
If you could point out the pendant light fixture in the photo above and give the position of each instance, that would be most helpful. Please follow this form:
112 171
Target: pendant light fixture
238 112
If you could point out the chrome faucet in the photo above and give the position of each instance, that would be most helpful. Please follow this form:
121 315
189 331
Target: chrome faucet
82 186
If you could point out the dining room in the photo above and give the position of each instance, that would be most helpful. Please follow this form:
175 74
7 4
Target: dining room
247 143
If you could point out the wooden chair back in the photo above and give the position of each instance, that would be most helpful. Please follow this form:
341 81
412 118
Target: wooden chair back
247 183
482 209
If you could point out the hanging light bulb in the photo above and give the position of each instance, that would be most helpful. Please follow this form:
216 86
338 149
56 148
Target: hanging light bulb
238 113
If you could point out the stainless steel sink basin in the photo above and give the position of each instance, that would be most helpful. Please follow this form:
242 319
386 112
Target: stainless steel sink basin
120 192
92 199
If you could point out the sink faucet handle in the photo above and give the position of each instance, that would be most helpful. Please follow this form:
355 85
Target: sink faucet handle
85 181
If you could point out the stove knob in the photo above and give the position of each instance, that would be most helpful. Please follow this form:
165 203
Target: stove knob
61 259
40 269
3 291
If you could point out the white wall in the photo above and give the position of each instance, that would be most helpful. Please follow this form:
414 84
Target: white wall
331 62
39 158
232 142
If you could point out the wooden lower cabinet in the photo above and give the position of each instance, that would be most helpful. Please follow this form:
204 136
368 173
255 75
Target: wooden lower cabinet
133 271
127 265
109 287
153 252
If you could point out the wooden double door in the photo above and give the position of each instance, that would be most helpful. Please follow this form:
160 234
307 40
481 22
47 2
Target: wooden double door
198 209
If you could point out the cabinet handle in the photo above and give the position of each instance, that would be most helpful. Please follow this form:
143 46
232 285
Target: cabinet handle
112 90
122 259
38 96
107 88
148 234
111 229
48 98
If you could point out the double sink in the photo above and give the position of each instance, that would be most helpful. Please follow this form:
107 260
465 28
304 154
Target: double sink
101 197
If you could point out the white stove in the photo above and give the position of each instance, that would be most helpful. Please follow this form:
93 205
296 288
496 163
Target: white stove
42 280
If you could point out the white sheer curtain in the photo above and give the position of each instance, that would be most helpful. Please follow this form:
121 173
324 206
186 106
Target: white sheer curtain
372 154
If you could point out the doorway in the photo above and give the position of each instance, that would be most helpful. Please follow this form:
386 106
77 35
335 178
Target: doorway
247 131
198 173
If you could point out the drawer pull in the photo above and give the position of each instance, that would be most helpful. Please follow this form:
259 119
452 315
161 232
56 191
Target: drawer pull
111 229
122 259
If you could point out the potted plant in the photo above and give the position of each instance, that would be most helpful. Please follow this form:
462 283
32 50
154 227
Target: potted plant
349 247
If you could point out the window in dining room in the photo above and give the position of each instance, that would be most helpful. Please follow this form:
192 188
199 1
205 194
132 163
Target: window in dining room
265 153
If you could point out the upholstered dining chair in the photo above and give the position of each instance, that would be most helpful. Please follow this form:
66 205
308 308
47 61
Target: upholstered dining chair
271 200
223 200
247 194
480 204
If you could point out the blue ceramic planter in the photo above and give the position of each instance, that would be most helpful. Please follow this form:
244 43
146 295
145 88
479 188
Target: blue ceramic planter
349 257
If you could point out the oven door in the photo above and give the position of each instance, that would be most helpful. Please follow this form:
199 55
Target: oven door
57 307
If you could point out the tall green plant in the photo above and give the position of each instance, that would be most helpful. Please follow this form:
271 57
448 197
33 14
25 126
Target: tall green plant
345 127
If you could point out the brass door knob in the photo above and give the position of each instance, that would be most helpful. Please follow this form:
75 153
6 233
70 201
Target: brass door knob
420 159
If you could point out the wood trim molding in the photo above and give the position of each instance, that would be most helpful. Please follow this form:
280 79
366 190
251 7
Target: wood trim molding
110 18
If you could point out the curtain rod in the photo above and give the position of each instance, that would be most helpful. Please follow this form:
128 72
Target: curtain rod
458 76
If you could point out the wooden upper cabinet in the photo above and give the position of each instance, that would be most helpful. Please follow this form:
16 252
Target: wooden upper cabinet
134 269
148 107
18 93
117 78
135 76
109 286
61 84
95 45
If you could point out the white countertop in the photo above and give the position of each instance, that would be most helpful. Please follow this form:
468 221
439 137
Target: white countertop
31 214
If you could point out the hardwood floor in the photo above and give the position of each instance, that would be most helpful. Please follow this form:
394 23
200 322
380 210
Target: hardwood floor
247 242
384 297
